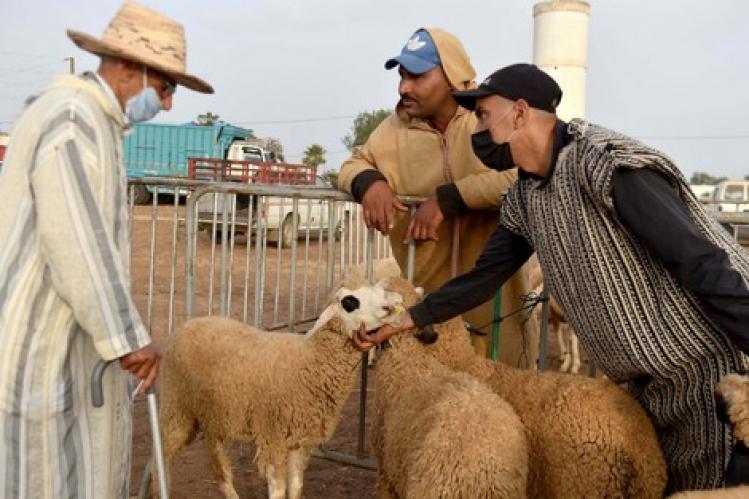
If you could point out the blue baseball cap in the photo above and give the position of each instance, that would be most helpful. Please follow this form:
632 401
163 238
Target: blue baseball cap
418 56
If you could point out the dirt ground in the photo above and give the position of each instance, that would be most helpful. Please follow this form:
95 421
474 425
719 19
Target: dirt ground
192 476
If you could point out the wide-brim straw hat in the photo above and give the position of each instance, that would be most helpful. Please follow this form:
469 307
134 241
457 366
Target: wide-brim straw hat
142 35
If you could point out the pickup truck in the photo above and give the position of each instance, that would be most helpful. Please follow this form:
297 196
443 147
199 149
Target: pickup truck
274 213
732 196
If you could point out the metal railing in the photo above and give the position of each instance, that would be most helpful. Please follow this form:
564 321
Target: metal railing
217 270
223 251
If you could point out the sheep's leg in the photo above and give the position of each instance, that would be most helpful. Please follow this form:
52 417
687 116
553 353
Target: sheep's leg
575 351
298 460
221 466
276 477
384 489
564 352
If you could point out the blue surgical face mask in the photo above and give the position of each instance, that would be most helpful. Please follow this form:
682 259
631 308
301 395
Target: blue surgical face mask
145 105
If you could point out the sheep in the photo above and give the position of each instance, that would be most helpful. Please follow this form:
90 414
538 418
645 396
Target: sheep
441 434
569 350
382 268
282 391
728 493
587 437
732 395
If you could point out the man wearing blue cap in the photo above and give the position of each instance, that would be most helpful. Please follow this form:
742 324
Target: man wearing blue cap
657 291
424 149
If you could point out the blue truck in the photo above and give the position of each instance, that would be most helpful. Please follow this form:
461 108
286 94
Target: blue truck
161 150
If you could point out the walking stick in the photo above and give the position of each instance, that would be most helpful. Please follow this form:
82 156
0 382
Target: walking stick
97 399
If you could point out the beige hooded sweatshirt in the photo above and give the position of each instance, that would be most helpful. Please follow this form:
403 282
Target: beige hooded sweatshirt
416 159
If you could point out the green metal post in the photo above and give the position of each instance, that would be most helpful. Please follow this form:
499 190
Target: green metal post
496 324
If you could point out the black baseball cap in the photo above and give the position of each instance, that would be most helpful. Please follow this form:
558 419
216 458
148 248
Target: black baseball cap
518 81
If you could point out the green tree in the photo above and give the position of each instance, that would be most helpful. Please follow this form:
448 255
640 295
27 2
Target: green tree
705 179
364 123
314 155
331 177
208 119
746 177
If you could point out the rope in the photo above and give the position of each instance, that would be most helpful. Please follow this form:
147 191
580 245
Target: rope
530 299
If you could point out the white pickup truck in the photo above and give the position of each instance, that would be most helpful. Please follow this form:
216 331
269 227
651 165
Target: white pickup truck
732 196
248 164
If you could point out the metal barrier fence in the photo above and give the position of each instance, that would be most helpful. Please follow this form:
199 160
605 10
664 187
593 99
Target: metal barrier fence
266 255
243 242
737 223
263 254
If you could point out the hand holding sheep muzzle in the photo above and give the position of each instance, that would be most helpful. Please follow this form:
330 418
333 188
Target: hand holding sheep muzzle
402 321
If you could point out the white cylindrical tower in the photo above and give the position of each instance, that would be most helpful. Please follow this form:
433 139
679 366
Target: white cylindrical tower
560 47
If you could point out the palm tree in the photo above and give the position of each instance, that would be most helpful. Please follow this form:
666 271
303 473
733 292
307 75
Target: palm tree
314 155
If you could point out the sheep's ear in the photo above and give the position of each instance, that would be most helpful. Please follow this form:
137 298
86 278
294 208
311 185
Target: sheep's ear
383 283
419 291
327 314
427 335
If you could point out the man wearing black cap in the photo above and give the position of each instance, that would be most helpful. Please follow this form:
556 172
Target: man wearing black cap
655 288
424 149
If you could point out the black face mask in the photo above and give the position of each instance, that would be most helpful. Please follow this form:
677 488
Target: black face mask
495 156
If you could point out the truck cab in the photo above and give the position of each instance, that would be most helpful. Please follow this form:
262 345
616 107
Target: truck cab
732 196
241 150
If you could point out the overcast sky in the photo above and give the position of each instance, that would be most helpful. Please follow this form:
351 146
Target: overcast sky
673 72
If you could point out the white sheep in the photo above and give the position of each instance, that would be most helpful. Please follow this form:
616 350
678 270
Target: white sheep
282 391
442 434
587 437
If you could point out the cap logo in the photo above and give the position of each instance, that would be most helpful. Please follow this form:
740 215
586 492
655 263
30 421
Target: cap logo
415 44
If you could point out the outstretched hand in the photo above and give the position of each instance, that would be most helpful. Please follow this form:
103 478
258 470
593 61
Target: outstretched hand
364 341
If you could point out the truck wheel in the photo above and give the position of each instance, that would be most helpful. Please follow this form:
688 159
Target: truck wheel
286 232
141 194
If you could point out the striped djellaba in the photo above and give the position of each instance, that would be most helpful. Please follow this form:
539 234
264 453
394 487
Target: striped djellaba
65 297
633 318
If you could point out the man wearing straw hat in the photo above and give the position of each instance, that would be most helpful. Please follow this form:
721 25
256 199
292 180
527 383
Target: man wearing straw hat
64 265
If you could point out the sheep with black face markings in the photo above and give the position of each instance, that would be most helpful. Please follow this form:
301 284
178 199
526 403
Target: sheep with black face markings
282 391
